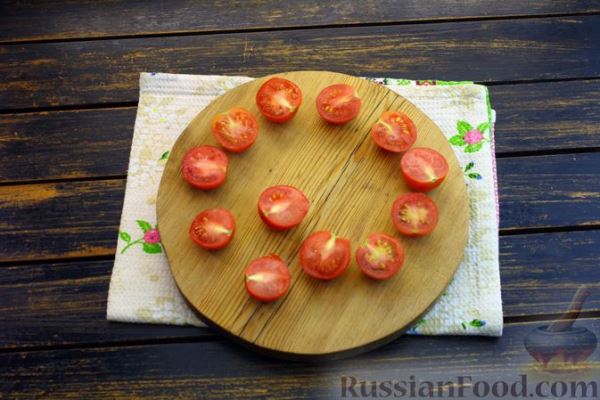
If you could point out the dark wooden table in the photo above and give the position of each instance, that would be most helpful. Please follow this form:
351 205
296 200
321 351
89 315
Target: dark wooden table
68 90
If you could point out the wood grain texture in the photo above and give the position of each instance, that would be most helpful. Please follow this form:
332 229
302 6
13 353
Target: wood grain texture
91 72
221 370
351 185
549 191
50 304
546 116
538 117
65 144
51 20
65 303
59 220
48 221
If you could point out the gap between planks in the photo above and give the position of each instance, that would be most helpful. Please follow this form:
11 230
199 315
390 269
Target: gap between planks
133 104
216 337
298 27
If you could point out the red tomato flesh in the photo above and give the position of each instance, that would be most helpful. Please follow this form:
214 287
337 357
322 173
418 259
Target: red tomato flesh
205 167
235 130
267 278
414 214
283 207
278 99
324 255
423 168
394 131
381 256
213 229
338 104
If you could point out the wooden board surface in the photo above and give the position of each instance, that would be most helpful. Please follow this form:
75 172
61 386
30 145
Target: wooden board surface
74 222
351 184
65 303
49 221
74 144
220 370
64 20
107 71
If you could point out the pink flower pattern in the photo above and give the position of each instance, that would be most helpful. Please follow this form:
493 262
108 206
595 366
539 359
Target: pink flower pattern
469 137
150 241
473 136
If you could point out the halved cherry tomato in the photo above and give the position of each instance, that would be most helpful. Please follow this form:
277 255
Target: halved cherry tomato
414 214
205 167
381 256
338 104
278 99
324 255
235 130
213 228
267 278
423 168
394 131
282 207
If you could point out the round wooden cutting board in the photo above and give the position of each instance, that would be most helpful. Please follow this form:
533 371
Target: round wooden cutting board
351 184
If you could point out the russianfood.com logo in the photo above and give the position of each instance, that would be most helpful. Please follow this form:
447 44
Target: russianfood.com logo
556 347
466 387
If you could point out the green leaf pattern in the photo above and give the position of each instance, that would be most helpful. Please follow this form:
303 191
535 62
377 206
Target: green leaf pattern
470 173
471 139
475 323
125 236
463 127
150 244
144 225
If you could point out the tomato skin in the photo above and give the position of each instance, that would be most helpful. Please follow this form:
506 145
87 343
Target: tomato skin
267 278
278 99
295 211
394 131
414 214
236 130
205 224
212 159
423 168
336 261
380 257
338 104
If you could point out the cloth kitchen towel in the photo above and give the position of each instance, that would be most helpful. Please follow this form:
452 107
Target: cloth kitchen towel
142 289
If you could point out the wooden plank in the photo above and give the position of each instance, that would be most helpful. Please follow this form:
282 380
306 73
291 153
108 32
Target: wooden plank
541 272
72 219
60 220
549 191
86 72
48 20
65 303
76 144
546 116
223 370
66 144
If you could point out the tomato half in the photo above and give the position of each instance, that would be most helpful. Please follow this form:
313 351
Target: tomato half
278 99
267 278
205 167
235 130
324 255
381 256
414 214
394 131
423 168
338 104
282 207
213 228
